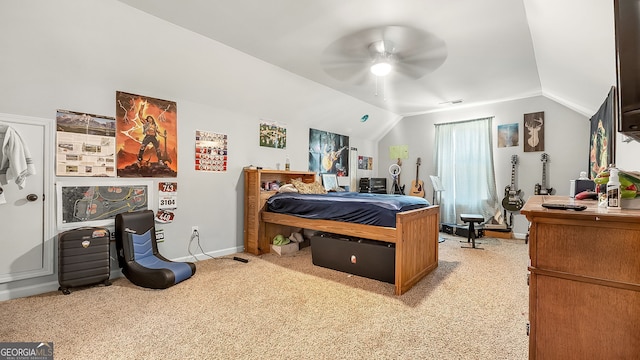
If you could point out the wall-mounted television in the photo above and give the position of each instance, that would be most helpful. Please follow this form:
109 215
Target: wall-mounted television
627 32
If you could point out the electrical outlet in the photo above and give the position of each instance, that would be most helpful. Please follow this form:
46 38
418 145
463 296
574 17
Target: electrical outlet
194 229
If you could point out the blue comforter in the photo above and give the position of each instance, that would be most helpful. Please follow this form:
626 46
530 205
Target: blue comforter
361 208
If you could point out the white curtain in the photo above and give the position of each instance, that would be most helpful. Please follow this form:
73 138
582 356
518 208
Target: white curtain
464 164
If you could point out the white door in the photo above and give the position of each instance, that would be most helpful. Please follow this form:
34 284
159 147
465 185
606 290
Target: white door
26 240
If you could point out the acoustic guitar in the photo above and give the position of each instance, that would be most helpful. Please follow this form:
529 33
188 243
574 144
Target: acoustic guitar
541 188
512 197
417 185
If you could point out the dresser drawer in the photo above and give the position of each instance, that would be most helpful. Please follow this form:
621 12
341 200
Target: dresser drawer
601 252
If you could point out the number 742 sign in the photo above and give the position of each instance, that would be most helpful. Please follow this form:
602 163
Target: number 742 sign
167 195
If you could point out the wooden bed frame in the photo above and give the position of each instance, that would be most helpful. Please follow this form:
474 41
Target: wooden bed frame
415 237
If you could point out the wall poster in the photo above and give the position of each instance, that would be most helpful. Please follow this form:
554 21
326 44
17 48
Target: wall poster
273 134
602 141
211 151
534 123
328 153
398 152
85 144
365 163
97 203
146 136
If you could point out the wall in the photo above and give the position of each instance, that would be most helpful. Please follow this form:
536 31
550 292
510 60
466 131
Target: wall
566 143
74 55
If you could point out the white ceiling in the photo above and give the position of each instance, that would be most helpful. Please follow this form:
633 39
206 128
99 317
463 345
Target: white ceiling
495 49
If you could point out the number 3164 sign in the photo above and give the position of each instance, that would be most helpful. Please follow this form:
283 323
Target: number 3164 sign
168 195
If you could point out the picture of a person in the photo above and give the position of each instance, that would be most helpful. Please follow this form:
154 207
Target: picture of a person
145 131
150 131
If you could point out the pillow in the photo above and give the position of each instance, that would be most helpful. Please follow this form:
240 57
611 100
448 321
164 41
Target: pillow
287 188
304 188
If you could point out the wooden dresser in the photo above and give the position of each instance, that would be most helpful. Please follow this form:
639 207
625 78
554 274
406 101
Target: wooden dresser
256 192
584 286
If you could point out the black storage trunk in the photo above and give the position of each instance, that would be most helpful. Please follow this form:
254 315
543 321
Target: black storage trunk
367 258
464 231
83 258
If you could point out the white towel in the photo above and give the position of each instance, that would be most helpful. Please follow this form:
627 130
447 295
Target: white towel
16 162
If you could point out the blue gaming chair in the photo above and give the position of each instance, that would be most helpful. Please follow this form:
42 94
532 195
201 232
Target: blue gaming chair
138 254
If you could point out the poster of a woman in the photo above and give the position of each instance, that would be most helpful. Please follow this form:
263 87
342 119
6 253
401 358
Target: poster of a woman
601 151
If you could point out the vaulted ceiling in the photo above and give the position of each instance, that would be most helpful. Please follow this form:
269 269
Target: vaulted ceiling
466 52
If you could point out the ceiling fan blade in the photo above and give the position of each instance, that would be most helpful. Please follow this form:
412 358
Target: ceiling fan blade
415 52
420 65
355 73
348 58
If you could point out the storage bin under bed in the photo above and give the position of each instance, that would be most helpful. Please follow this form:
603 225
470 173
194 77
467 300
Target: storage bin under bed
368 258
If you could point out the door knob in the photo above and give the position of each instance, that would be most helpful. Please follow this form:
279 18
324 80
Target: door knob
32 197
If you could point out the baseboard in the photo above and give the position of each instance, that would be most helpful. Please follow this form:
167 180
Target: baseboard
498 234
29 290
41 288
211 254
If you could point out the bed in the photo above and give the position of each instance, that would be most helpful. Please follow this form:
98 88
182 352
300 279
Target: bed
413 226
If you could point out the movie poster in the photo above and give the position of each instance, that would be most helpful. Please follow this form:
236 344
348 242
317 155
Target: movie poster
328 153
146 136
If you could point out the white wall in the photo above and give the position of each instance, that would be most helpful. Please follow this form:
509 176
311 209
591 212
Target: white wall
627 153
566 143
75 54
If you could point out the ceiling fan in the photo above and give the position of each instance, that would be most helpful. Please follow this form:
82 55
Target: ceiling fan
405 51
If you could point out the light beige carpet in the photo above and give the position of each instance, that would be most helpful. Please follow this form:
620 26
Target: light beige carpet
473 306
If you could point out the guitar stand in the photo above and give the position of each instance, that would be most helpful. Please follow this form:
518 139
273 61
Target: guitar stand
396 187
471 237
508 220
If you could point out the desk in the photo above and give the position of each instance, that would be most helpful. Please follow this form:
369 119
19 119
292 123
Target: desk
584 286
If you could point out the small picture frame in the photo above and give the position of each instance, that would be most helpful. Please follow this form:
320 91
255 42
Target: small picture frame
329 181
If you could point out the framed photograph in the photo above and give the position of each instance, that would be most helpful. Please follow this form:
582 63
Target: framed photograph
96 203
329 181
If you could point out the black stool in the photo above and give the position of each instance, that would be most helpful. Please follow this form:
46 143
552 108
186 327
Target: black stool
472 219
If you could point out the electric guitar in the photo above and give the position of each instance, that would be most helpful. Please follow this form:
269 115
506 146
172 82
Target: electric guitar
512 197
330 157
541 189
417 185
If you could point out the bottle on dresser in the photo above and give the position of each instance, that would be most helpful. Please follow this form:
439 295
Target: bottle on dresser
613 190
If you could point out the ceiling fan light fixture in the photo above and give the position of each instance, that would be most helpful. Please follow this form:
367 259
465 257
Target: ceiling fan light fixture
381 68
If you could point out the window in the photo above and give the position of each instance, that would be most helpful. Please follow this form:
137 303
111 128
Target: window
464 164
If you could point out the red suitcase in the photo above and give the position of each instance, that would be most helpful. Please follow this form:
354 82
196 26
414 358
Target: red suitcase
83 258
